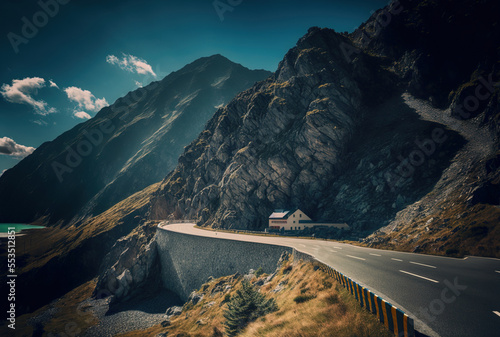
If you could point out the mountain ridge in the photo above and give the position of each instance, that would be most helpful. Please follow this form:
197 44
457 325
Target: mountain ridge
139 132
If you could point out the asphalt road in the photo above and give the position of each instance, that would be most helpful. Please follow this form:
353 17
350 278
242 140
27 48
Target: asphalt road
445 296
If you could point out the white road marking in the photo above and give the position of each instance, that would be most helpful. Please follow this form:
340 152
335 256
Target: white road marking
337 247
496 313
423 277
333 251
375 254
421 264
396 259
355 257
301 245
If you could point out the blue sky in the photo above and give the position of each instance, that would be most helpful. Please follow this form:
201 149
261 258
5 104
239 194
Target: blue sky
87 53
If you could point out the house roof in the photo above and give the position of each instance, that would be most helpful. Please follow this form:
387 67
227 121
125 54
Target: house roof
281 213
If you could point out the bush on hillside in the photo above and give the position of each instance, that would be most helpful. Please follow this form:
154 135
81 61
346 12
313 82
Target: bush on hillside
246 306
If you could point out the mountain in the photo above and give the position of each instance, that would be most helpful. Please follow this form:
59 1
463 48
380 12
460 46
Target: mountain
319 135
393 129
448 54
126 147
362 128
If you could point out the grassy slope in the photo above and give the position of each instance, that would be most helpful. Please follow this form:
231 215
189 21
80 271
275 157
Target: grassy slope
46 244
454 228
331 311
71 317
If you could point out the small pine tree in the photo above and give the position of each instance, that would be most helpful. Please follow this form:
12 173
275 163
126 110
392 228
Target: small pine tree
246 306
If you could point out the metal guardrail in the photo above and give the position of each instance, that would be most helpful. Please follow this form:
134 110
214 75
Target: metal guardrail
393 318
171 222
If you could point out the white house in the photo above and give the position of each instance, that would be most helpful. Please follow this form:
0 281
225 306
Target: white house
287 219
295 220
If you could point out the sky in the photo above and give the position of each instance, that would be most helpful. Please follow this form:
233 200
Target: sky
61 61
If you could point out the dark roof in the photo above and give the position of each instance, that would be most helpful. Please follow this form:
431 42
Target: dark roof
282 213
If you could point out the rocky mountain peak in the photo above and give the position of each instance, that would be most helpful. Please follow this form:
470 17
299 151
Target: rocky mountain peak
139 139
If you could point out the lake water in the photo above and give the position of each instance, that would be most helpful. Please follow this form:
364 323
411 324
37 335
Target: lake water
18 227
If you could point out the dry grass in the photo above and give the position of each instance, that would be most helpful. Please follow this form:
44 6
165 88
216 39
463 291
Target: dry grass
455 231
72 315
330 310
70 318
45 244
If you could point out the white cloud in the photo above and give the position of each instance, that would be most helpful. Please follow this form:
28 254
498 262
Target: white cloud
82 115
10 148
40 122
53 84
21 92
138 84
85 99
131 63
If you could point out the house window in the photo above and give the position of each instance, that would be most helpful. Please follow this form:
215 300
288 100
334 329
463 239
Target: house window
294 222
300 215
294 215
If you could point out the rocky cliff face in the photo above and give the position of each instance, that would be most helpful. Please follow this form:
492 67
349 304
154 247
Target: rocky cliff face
330 133
273 145
129 145
320 135
447 53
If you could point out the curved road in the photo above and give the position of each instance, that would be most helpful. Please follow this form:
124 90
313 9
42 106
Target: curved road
445 296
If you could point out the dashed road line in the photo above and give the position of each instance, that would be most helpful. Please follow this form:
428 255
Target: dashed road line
396 259
496 313
422 264
355 257
375 254
337 247
301 245
422 277
333 251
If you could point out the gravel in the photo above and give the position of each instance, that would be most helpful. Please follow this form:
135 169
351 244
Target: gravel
480 141
134 315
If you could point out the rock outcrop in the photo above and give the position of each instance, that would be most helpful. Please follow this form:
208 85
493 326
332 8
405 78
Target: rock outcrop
130 264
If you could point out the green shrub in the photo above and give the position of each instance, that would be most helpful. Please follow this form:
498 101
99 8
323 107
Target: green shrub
332 299
259 272
246 306
327 284
226 299
303 298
